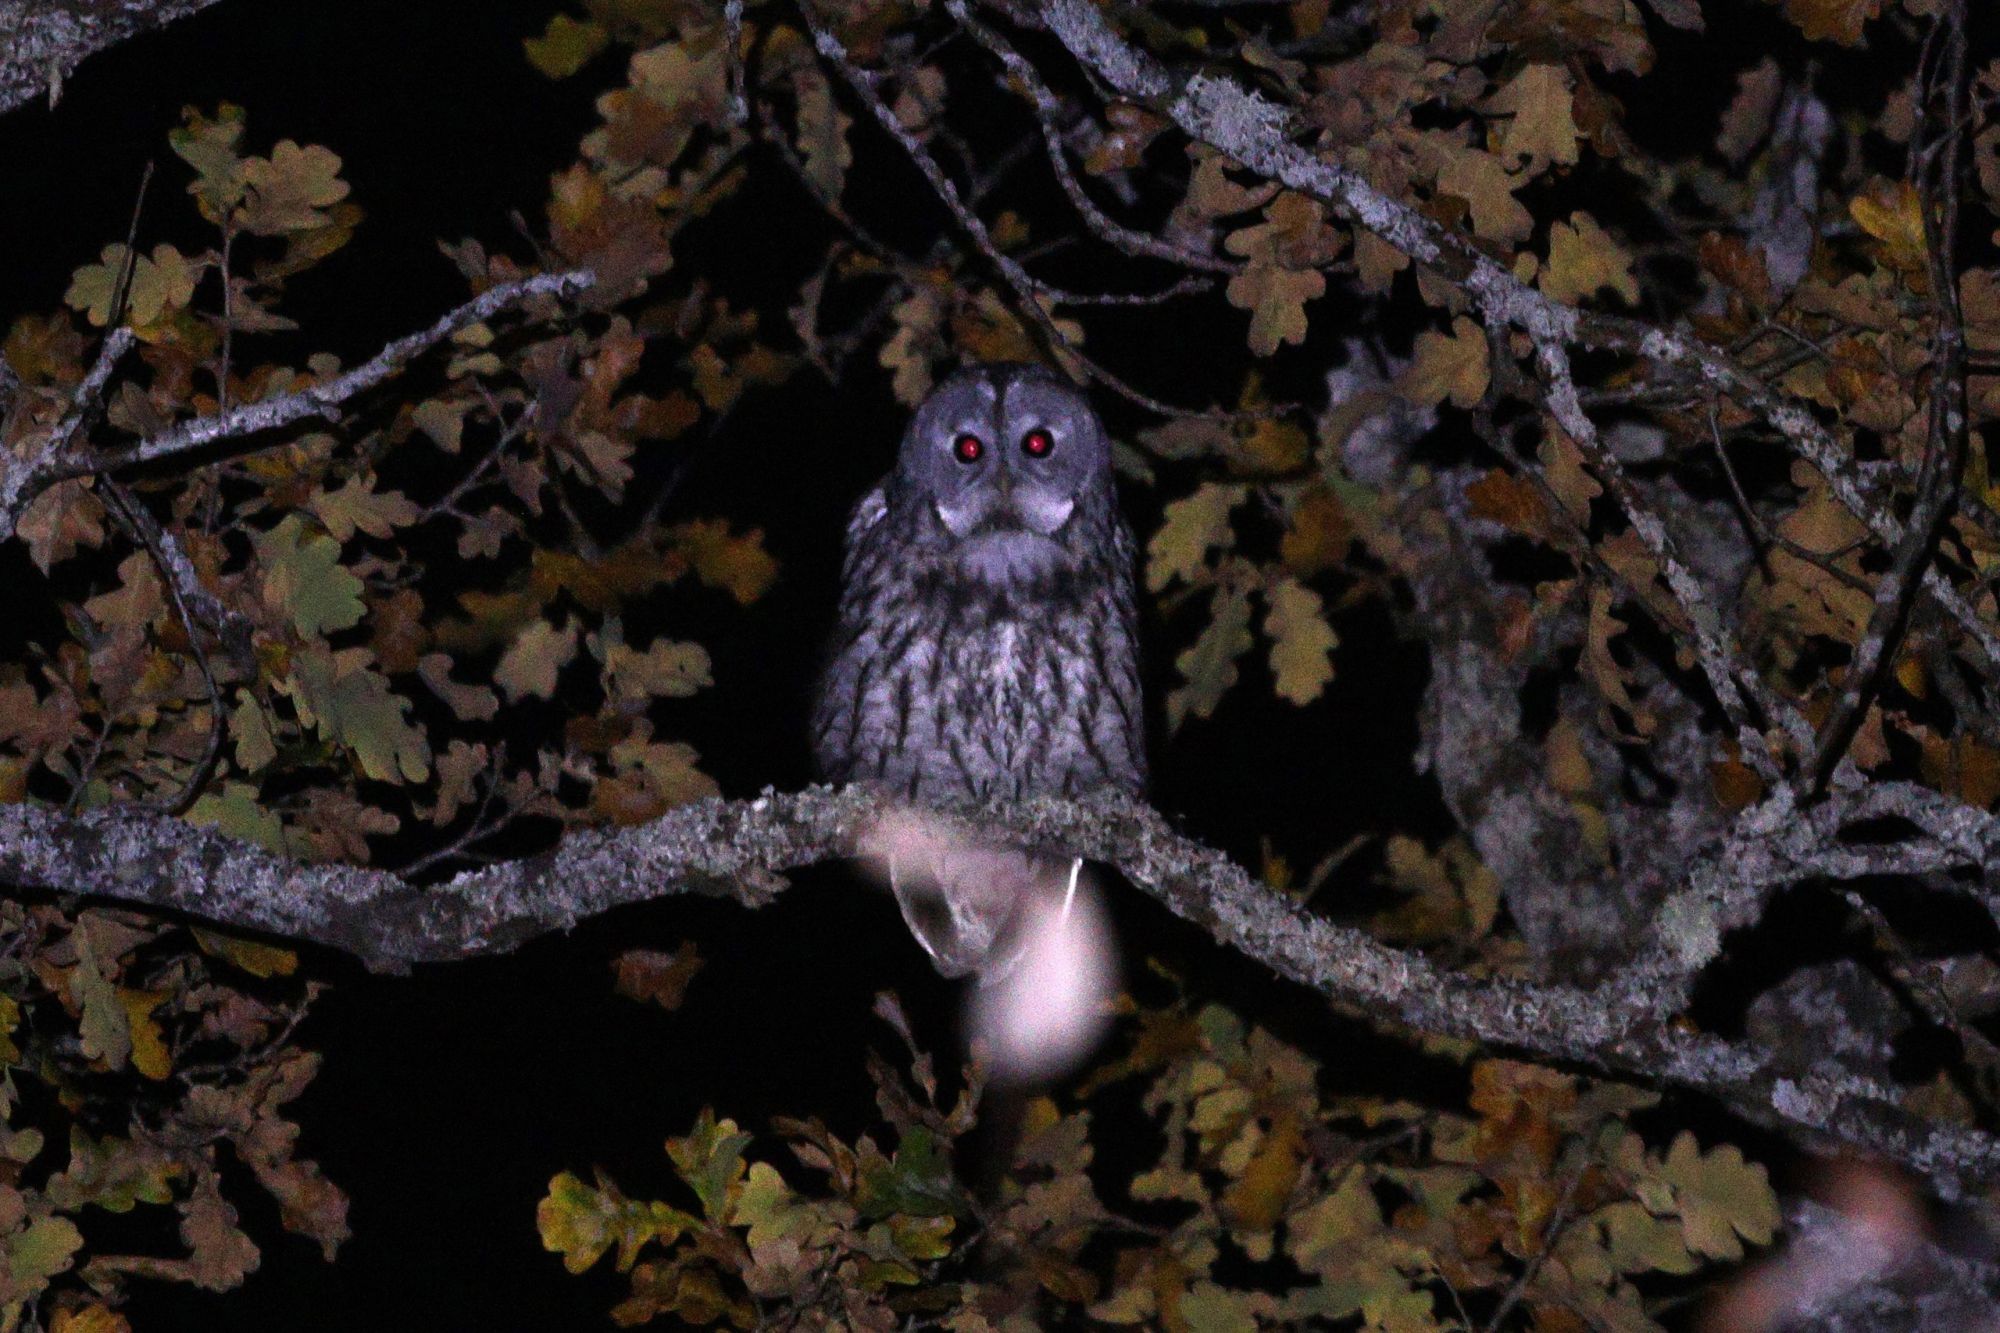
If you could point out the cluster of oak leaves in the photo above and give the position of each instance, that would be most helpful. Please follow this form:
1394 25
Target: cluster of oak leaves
363 629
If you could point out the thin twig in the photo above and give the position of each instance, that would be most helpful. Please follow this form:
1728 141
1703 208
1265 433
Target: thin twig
1945 438
141 522
22 482
1028 291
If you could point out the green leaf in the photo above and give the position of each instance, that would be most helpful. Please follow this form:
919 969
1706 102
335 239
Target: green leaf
917 1182
39 1252
566 46
347 701
1720 1197
1189 529
710 1159
1209 667
211 147
234 810
580 1223
1302 643
304 579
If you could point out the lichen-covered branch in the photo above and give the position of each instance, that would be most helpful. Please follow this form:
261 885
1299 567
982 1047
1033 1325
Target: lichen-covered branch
1256 132
60 459
41 41
741 849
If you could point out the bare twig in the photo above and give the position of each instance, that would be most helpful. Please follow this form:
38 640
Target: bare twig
1730 674
1945 438
182 589
1253 130
1048 112
22 480
1028 291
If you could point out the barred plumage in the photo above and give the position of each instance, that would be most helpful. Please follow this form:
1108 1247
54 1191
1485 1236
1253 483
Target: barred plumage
985 645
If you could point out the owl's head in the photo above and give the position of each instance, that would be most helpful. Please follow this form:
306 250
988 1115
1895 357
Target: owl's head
1006 456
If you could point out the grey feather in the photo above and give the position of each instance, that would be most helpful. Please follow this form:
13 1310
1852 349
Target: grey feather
986 643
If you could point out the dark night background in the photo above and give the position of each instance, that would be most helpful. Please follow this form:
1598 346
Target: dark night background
447 1100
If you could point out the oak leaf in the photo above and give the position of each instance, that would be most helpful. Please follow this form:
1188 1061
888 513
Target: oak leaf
1454 365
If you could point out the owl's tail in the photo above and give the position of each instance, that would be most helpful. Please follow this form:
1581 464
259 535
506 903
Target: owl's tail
966 903
1029 928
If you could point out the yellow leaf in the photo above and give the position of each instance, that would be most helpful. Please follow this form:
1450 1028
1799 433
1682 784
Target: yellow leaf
1543 128
739 566
358 506
1447 365
1376 262
259 960
1209 668
532 660
666 670
1189 528
1720 1197
1302 643
823 130
1258 1197
149 1047
1832 20
1894 216
1484 182
291 189
1284 253
1563 469
566 46
1583 258
90 1319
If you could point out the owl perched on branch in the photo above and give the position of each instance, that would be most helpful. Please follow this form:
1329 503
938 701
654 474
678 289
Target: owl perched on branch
986 641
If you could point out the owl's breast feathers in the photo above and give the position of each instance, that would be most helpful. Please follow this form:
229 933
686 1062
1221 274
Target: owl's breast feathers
943 684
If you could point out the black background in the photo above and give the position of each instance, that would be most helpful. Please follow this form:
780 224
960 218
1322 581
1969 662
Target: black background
448 1099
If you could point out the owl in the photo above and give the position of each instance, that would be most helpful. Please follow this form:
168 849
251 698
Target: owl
986 641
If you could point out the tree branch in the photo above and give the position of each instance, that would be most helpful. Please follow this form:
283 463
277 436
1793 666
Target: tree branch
741 849
45 39
1257 132
23 479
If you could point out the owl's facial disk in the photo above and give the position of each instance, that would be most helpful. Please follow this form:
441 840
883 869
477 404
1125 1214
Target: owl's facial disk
1004 457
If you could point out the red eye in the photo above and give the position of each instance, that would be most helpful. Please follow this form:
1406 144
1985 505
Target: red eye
1037 443
967 448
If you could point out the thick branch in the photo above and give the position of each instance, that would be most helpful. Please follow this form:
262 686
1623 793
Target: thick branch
741 849
41 41
1257 133
22 479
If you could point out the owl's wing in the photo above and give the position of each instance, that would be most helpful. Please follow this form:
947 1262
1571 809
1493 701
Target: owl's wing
860 523
867 513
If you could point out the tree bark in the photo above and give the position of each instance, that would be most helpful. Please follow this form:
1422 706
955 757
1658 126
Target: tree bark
42 41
